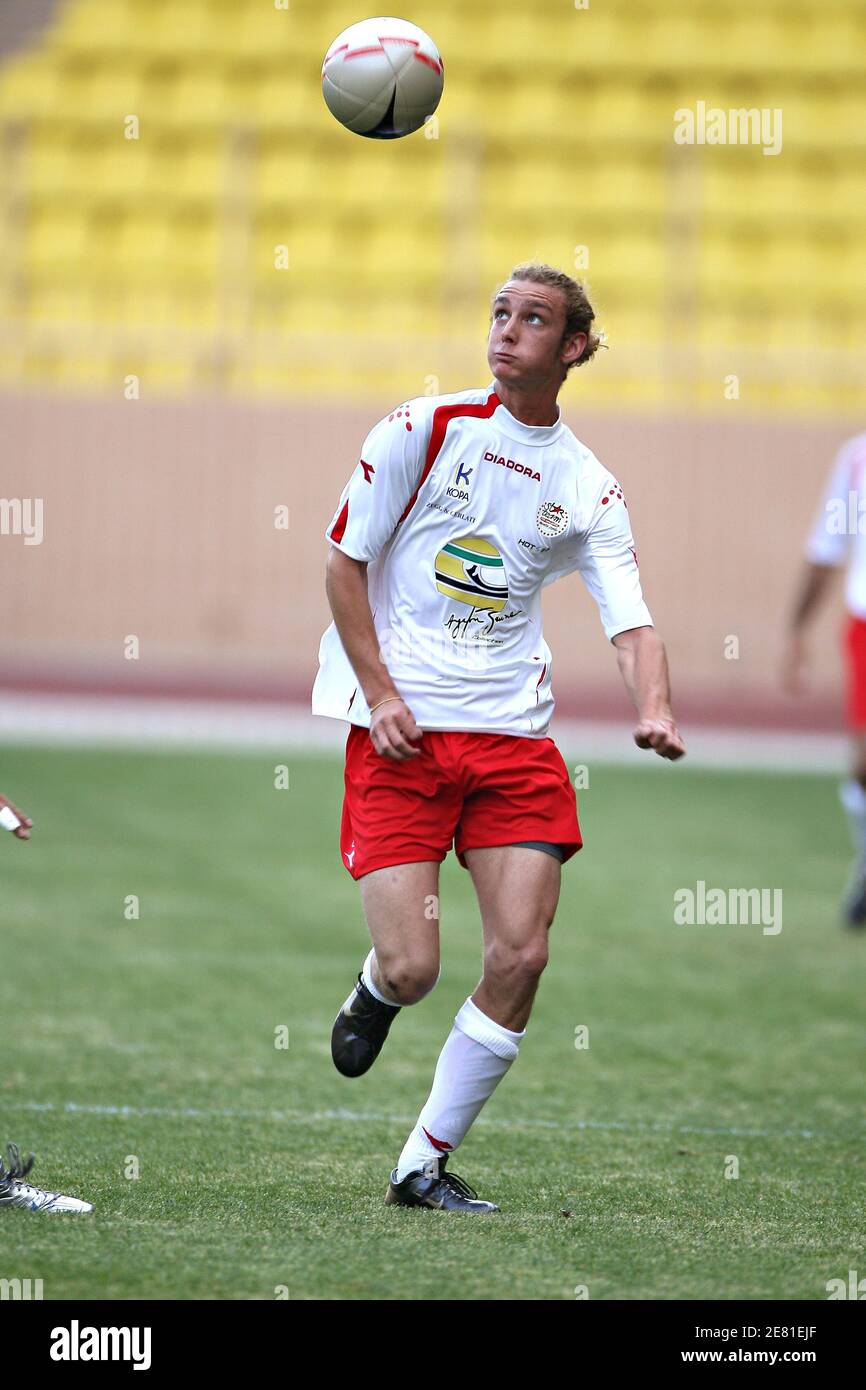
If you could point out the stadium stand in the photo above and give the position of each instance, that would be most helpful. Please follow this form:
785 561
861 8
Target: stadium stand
175 194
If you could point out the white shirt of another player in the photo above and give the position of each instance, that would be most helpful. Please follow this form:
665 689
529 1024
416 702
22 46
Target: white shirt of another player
838 535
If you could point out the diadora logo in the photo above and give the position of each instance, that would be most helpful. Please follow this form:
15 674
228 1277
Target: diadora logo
369 470
461 476
512 463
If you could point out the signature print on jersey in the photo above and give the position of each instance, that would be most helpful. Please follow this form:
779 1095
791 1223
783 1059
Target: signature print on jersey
472 571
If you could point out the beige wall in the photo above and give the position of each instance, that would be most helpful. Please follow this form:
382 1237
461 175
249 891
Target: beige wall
158 522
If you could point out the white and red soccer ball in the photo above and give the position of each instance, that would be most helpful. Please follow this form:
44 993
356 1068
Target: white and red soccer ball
382 78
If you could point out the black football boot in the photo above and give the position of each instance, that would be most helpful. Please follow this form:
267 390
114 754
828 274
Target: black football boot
431 1186
360 1030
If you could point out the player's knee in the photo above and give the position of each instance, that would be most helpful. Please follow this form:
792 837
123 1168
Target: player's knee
513 966
410 981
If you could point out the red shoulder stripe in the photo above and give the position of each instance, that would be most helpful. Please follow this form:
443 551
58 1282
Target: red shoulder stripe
339 526
442 417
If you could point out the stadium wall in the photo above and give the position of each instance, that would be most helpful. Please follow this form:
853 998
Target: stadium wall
159 524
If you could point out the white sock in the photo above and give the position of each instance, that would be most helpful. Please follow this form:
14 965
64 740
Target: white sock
853 798
476 1056
367 977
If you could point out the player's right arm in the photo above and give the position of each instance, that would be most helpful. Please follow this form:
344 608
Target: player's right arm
371 506
827 549
392 725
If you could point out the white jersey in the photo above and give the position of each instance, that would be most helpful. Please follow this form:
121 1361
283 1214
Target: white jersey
463 514
839 533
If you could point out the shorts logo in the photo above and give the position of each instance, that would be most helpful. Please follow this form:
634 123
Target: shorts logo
551 519
472 571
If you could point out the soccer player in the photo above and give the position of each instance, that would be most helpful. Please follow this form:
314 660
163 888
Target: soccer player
461 508
838 537
14 1191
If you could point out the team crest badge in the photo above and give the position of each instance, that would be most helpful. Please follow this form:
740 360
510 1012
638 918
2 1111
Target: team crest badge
551 519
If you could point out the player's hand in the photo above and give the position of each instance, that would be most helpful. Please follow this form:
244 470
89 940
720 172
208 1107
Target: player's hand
794 661
393 731
662 736
22 830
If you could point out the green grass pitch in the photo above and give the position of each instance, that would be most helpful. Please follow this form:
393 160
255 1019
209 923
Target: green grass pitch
263 1170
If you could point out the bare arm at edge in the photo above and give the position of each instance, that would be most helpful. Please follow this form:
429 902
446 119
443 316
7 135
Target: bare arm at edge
643 664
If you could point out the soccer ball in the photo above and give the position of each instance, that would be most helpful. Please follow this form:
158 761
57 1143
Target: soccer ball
382 78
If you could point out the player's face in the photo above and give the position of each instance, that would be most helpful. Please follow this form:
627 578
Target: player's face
525 346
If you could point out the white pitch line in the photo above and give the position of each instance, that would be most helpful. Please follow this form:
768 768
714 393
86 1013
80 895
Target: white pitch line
140 1112
181 725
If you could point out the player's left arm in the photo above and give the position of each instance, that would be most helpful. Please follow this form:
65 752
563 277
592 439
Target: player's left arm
14 820
643 664
608 566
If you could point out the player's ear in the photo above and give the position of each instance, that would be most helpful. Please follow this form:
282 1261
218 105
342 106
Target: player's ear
573 348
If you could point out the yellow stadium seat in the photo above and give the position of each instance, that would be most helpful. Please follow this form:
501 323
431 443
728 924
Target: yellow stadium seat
731 269
617 110
836 41
109 92
28 88
634 259
56 244
162 373
58 304
299 308
277 101
196 98
372 182
284 177
145 27
674 40
117 170
318 248
186 167
778 192
88 26
48 166
405 254
266 35
839 119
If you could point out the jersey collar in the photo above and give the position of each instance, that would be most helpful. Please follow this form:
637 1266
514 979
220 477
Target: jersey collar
515 429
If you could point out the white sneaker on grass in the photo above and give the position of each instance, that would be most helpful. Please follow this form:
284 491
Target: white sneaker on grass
15 1192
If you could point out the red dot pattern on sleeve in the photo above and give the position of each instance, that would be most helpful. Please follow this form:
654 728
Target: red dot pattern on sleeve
615 491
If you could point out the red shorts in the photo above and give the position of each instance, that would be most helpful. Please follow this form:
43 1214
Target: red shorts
476 790
854 641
